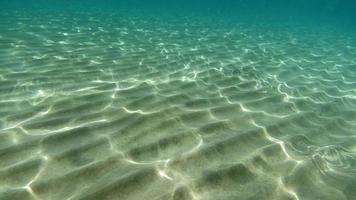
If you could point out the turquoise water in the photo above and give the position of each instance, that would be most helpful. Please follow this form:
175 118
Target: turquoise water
178 100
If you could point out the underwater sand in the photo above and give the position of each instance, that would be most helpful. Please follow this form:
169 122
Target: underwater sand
141 109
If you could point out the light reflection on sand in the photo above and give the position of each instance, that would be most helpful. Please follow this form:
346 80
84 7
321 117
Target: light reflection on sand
127 109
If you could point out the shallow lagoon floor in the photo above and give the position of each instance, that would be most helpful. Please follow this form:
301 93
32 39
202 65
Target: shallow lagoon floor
122 107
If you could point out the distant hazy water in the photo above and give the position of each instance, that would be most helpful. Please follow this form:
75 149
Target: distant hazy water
177 101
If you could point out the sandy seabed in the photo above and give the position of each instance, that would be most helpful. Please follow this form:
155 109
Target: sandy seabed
137 109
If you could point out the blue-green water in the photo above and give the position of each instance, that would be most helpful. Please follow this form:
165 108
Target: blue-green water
178 100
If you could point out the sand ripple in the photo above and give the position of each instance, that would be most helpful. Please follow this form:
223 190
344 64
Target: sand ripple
126 108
